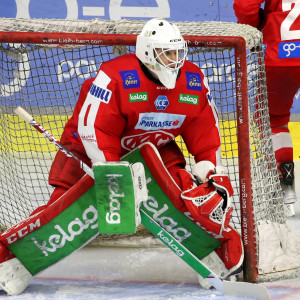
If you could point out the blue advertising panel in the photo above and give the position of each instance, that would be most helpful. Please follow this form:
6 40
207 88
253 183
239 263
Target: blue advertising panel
176 10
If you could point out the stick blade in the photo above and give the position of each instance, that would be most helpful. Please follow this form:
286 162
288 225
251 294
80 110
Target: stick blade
246 289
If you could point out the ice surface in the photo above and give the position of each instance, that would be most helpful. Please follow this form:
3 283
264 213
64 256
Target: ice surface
41 289
134 273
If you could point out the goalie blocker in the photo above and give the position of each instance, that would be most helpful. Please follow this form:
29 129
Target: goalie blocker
72 221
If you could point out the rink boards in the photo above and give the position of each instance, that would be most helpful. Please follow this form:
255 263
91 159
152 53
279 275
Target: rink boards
19 136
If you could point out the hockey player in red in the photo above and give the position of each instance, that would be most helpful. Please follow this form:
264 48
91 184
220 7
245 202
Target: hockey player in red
280 24
154 96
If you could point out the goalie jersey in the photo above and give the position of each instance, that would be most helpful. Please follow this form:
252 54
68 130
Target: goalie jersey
123 107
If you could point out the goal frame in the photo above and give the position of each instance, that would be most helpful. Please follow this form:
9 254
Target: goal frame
235 42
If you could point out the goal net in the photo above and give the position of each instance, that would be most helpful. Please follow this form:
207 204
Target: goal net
43 64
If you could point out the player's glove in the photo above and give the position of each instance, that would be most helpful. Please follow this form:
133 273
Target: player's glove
210 205
205 171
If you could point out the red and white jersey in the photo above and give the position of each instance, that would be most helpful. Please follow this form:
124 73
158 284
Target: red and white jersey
280 27
122 108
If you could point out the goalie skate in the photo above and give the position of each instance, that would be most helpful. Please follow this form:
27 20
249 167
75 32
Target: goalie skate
287 182
217 265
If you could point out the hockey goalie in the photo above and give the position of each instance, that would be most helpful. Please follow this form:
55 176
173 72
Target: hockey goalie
143 100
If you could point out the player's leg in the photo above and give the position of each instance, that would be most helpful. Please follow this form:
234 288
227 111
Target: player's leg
208 215
14 275
63 175
210 211
8 261
64 172
174 161
282 85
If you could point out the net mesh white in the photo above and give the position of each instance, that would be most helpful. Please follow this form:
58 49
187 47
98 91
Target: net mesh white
46 78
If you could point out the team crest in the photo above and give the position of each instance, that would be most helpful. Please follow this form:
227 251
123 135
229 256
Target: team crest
157 138
194 81
130 79
161 102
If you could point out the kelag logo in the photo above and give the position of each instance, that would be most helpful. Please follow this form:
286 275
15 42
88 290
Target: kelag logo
130 79
191 99
66 235
193 81
161 102
138 97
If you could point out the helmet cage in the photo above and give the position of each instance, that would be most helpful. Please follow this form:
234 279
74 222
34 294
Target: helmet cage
180 55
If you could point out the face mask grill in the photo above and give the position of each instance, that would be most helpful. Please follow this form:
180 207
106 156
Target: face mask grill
171 58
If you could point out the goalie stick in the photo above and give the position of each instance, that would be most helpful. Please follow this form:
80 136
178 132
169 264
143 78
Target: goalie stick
223 286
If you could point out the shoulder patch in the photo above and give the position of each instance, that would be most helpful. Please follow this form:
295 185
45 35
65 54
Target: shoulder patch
102 94
194 81
130 79
99 87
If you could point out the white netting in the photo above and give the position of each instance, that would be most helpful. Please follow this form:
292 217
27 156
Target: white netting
250 34
46 80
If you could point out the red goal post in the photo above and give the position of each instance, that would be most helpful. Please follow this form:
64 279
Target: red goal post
231 56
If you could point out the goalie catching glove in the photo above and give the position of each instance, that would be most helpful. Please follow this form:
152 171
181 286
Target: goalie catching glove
214 195
120 190
210 206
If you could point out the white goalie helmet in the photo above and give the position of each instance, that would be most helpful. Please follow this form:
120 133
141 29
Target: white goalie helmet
154 44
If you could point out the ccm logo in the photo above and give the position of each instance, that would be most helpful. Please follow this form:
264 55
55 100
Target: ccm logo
23 232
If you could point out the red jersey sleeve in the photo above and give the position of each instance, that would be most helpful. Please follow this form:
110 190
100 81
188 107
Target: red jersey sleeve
100 123
202 134
247 12
280 28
